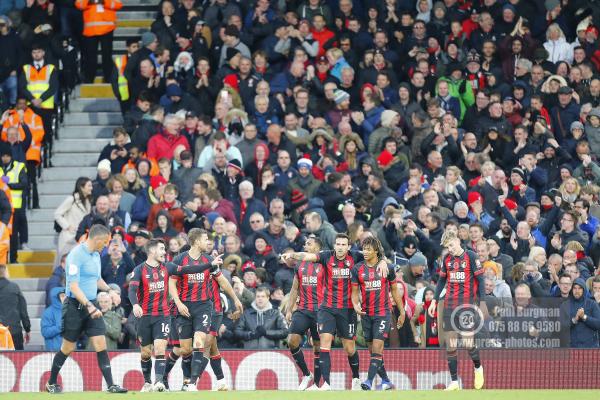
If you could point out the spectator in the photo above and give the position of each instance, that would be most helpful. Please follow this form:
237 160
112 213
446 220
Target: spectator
165 142
112 321
13 310
100 214
582 315
71 212
52 320
117 151
171 205
116 265
261 326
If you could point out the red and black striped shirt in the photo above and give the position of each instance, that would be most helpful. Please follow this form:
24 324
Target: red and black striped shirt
336 280
461 282
310 285
216 295
374 289
152 288
197 286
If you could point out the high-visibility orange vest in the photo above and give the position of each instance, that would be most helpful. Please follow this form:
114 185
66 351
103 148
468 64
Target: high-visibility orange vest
36 126
6 340
4 243
38 82
154 170
4 187
99 19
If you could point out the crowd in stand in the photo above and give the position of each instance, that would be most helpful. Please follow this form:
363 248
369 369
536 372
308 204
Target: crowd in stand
266 122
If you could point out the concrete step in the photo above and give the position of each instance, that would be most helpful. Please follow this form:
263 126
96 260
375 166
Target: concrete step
31 270
129 32
44 241
31 284
52 200
43 214
95 105
57 187
87 131
34 298
36 324
35 310
74 160
97 118
135 23
93 90
28 256
79 145
134 3
41 226
58 173
136 15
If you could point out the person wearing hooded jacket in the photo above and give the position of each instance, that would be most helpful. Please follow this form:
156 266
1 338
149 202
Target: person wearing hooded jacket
582 315
261 326
51 320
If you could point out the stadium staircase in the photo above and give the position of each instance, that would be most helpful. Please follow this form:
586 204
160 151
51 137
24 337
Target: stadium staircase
87 127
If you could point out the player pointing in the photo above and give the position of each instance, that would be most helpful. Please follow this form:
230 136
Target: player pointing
375 310
80 310
462 276
192 294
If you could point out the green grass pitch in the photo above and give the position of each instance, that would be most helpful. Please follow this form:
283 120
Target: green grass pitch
334 395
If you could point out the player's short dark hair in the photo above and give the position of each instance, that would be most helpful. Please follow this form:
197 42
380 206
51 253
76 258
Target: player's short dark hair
374 243
196 233
98 230
152 243
342 236
319 242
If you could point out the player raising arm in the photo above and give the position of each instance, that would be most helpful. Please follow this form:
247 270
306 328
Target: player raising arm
148 293
375 310
193 298
308 287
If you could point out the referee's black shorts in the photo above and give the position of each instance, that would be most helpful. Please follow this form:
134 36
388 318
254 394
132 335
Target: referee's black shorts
77 320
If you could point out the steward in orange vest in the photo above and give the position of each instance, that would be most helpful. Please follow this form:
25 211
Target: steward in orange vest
118 81
33 121
99 23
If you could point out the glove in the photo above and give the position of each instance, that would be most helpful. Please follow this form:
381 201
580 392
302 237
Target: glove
5 179
260 331
253 335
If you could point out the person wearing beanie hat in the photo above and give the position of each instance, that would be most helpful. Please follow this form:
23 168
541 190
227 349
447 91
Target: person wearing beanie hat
551 5
148 38
298 199
235 164
304 163
387 118
518 171
415 269
173 90
576 125
340 97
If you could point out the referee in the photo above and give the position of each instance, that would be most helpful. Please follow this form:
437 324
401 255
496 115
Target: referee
80 313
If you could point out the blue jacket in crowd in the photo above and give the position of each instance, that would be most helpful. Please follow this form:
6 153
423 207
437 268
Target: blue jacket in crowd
52 320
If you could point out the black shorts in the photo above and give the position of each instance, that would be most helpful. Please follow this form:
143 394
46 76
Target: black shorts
76 320
339 322
302 321
465 319
151 328
198 322
376 327
215 323
173 335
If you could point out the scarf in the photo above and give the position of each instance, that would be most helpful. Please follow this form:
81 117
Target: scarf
167 206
